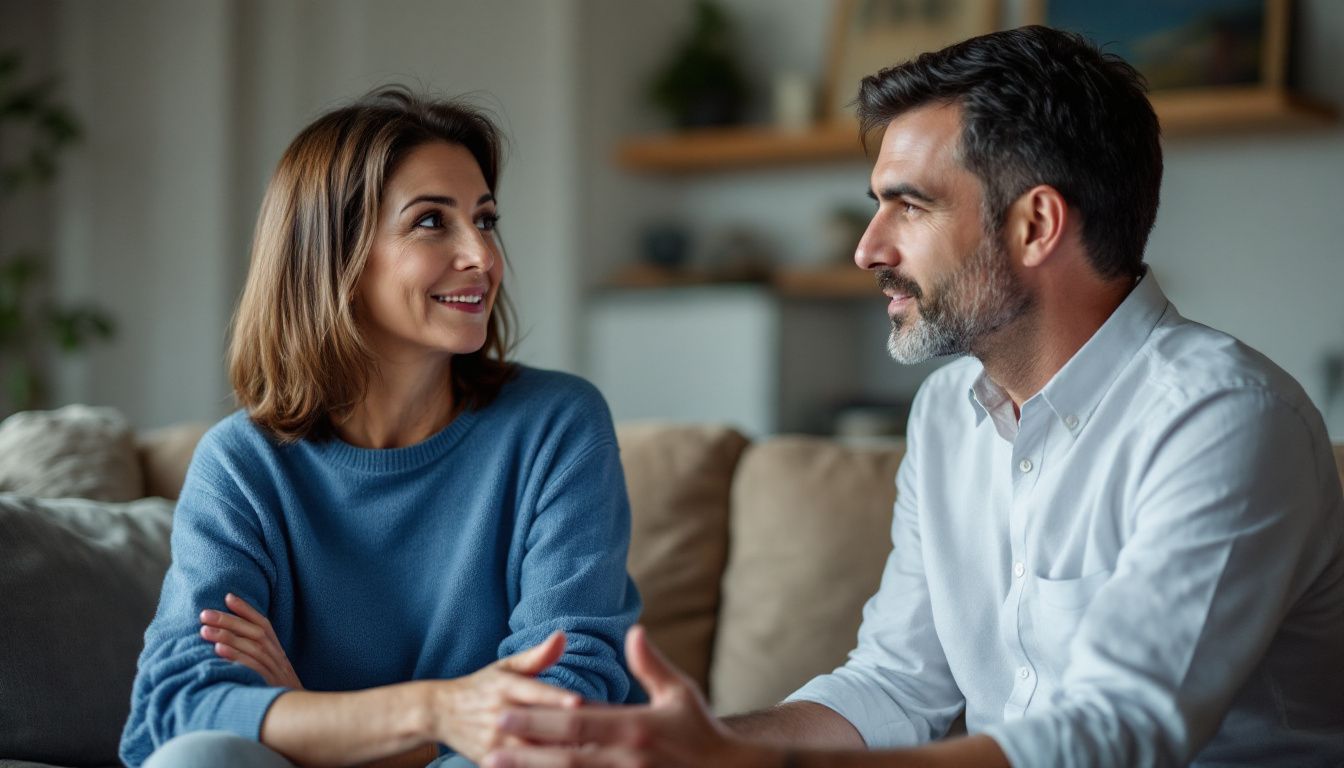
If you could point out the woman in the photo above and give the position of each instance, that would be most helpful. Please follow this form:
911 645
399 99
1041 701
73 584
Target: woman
428 532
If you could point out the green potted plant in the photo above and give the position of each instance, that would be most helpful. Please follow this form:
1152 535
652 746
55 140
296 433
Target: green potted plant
31 323
702 84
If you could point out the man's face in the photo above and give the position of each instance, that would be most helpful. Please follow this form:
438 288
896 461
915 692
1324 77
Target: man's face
950 283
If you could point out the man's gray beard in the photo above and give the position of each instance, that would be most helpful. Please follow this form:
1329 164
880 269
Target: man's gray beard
979 298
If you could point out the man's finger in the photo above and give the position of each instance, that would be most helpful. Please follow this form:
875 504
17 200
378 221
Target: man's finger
648 664
536 659
570 726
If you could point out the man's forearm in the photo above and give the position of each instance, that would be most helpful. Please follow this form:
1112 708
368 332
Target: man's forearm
337 729
797 723
967 752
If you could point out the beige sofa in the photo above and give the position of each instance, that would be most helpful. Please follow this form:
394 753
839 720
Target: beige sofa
754 560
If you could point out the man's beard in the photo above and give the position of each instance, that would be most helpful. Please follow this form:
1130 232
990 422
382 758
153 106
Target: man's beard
980 297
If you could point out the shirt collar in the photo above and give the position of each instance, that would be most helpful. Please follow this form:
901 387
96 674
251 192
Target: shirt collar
1074 391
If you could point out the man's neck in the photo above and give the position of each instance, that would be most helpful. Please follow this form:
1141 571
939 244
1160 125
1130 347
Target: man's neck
1023 357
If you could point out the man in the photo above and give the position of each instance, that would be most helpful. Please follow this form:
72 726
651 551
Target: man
1117 538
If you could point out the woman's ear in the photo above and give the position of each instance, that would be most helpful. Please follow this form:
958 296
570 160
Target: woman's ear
1036 224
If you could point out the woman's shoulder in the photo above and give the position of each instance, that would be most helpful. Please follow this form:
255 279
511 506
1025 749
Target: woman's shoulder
538 387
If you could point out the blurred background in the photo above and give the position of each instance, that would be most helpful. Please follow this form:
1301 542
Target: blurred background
680 198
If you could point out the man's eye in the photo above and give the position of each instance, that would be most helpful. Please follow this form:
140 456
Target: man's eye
487 223
910 208
430 221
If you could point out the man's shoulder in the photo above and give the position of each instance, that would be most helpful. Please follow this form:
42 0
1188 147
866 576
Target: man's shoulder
1187 362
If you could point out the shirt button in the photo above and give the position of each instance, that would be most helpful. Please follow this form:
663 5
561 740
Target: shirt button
1023 672
1019 569
1025 466
1071 421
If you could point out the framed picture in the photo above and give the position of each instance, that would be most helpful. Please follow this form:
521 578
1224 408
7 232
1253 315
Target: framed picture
868 35
1184 44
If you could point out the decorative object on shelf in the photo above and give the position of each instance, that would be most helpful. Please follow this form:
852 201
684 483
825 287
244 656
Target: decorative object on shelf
666 245
792 102
702 84
867 420
1198 44
738 254
843 229
31 324
868 35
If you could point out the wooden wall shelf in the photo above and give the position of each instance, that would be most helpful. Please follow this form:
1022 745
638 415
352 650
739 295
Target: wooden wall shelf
1183 114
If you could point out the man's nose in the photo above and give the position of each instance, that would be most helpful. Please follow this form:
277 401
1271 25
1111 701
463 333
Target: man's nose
873 251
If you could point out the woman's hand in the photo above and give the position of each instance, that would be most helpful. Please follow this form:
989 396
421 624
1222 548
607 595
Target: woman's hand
246 637
467 710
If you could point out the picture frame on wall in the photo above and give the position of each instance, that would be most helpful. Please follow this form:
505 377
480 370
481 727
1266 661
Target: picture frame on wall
869 35
1207 46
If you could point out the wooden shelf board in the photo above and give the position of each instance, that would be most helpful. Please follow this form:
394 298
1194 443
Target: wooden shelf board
1238 110
838 282
1183 114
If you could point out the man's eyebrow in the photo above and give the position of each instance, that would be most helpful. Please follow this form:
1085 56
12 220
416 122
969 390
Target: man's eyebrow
899 191
445 200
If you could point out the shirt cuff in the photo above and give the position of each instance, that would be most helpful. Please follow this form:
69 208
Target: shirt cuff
869 709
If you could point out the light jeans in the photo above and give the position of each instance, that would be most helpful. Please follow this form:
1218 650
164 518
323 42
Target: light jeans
221 749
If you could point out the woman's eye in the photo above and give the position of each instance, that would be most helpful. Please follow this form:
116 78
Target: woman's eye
430 221
488 222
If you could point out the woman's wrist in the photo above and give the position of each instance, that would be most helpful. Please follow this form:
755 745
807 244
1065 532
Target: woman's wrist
426 703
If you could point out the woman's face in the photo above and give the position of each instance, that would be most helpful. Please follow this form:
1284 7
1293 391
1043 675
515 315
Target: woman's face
435 266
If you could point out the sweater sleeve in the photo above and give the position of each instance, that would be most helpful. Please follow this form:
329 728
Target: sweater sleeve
573 570
180 684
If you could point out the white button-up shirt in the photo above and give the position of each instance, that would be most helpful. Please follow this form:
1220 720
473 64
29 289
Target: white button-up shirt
1146 569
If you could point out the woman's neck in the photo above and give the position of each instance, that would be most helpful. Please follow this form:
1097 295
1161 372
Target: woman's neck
404 404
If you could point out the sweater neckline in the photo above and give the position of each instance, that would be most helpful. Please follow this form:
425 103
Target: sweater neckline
399 459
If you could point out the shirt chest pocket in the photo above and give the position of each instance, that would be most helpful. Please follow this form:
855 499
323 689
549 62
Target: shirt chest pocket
1055 610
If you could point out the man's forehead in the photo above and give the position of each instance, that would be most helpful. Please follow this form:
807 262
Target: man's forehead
922 139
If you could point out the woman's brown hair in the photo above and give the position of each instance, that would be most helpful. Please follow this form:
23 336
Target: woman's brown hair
297 361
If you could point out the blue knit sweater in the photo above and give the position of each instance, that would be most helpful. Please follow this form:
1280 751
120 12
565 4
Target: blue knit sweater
383 566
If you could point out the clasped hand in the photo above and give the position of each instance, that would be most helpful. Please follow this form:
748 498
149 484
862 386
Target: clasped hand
466 712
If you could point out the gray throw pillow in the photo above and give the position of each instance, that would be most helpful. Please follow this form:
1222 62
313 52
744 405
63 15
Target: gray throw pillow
79 583
76 451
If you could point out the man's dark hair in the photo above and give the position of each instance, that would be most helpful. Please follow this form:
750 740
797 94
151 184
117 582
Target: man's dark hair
1041 106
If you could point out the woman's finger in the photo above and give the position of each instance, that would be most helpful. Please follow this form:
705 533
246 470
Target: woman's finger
251 662
529 692
533 661
244 609
242 645
234 624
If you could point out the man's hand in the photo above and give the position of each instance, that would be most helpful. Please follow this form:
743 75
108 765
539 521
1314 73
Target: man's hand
469 710
674 730
246 637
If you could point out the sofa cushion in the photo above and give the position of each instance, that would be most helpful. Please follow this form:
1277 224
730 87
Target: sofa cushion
80 581
165 454
679 478
77 450
810 532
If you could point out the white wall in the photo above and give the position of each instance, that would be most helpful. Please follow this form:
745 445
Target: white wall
189 106
1249 239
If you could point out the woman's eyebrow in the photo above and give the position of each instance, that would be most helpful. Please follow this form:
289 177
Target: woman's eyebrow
451 202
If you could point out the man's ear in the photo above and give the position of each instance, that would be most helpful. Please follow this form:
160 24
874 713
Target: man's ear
1036 224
